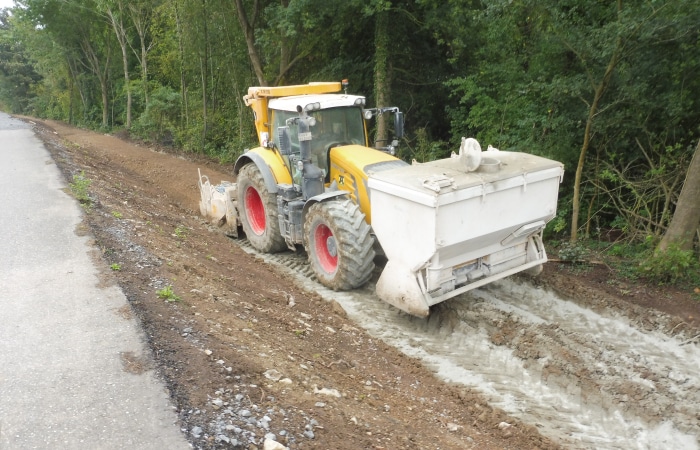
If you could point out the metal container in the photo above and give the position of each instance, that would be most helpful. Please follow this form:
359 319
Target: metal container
445 230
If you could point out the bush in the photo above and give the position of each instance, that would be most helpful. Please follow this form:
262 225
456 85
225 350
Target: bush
574 252
671 266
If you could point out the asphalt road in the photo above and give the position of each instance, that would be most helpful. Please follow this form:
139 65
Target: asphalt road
74 370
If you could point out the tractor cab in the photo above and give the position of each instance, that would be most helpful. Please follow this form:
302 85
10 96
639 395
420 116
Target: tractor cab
335 120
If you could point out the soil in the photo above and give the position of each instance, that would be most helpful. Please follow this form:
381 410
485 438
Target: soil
237 335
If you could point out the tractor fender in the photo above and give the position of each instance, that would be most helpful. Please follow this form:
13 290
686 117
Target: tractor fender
259 161
319 199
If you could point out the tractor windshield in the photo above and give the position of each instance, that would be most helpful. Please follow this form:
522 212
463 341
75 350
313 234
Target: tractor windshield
333 127
338 126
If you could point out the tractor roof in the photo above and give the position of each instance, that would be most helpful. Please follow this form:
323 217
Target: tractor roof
315 101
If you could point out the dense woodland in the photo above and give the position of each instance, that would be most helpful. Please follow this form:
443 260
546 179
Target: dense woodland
610 88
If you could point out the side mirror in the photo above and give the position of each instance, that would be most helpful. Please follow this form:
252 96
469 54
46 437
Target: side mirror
398 124
285 141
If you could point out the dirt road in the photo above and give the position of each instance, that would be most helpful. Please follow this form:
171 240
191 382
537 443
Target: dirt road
252 349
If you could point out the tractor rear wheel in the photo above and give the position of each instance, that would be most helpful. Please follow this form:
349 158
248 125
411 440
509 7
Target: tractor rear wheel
257 208
339 244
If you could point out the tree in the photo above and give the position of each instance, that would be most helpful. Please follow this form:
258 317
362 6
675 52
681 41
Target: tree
248 22
686 218
115 13
599 86
82 36
17 75
581 84
140 13
382 68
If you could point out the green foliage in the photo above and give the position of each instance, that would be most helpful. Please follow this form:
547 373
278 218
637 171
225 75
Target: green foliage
671 266
79 186
115 267
168 294
574 252
638 193
180 232
517 75
17 74
158 122
424 149
558 225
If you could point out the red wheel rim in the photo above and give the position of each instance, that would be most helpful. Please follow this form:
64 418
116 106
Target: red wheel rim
325 248
255 211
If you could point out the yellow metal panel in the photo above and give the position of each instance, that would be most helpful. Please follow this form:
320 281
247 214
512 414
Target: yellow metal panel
299 89
348 170
260 114
276 164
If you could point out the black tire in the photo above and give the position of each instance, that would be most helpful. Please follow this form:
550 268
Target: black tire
339 244
257 209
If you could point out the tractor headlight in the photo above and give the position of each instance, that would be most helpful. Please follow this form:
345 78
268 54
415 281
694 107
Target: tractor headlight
360 101
368 114
313 106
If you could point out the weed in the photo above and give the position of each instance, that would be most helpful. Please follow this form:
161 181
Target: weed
167 294
117 214
180 232
79 187
116 267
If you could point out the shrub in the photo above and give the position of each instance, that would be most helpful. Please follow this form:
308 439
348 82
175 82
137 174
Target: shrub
670 266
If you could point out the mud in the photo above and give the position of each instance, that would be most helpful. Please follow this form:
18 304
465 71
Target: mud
589 380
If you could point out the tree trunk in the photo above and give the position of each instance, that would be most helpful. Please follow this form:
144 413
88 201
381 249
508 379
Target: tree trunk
185 117
204 68
144 71
599 91
127 84
247 25
74 76
686 218
119 29
101 72
140 16
382 76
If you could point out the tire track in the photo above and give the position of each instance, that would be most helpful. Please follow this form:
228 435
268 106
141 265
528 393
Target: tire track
585 379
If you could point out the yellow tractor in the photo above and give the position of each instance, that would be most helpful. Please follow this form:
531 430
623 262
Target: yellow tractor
314 180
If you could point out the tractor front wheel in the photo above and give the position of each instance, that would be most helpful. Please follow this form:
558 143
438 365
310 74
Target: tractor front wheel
339 244
257 209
